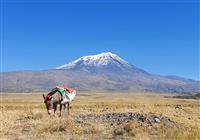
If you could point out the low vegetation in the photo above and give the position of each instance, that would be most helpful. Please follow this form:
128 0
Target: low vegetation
101 116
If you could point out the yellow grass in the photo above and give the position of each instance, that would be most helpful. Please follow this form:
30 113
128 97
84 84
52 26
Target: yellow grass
24 116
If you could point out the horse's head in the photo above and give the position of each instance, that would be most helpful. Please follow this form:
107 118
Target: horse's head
48 103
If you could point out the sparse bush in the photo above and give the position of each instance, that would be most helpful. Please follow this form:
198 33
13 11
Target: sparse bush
129 128
119 132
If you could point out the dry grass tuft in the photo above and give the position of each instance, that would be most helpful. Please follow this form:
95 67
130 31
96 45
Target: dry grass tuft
38 116
58 125
94 129
191 133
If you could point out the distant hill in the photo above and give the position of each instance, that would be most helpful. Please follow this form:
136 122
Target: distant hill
102 72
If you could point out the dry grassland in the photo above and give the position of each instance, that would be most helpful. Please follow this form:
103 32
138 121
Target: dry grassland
101 116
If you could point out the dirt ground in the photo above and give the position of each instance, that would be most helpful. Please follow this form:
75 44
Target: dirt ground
96 116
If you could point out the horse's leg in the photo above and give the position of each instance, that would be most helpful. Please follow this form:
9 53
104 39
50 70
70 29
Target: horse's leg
60 110
55 108
64 107
68 107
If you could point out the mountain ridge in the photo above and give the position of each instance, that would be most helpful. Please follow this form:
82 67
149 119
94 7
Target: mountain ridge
101 72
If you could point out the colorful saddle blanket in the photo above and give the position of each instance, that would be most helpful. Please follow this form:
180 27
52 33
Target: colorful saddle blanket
70 93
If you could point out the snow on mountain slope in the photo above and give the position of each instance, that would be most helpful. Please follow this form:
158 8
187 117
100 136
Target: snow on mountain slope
102 59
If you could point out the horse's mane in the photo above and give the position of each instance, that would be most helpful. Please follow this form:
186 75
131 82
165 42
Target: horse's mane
51 93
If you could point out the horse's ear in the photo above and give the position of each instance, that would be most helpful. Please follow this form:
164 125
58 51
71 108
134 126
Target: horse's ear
43 96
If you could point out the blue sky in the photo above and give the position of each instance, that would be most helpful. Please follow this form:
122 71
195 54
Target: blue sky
160 37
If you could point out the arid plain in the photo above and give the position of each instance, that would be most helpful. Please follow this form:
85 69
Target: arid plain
101 116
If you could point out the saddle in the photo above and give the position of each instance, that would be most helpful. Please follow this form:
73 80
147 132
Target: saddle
62 90
69 90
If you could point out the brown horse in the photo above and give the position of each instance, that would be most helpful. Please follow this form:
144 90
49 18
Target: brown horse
51 102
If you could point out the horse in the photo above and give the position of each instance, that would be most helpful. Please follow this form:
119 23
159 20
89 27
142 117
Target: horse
52 100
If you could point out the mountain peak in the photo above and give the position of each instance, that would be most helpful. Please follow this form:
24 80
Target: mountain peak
106 54
102 59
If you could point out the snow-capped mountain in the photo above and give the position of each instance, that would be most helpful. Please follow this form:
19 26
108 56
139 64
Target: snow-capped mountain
101 72
99 60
